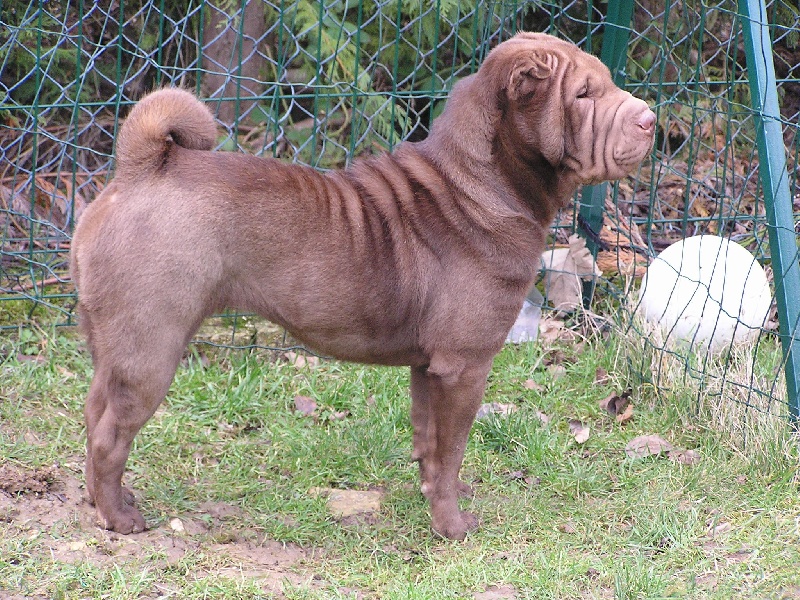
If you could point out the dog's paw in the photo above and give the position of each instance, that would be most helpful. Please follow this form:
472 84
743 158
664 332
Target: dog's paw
128 520
456 527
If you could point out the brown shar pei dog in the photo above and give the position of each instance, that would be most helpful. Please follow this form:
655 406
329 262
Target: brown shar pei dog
421 257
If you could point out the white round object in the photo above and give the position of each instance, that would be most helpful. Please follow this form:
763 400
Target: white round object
707 290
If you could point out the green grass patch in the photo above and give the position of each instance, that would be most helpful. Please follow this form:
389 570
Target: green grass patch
226 471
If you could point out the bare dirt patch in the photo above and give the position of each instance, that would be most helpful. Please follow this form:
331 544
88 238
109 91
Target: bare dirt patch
38 498
49 503
18 481
495 592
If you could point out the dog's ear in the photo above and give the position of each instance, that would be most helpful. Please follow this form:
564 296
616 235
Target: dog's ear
534 85
529 71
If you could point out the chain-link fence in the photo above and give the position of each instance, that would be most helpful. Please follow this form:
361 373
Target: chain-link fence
320 82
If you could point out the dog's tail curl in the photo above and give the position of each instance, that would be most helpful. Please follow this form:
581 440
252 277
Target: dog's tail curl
165 117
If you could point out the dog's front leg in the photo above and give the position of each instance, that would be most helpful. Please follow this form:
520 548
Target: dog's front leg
445 399
424 429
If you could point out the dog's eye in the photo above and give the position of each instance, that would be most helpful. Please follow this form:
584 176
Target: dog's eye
584 92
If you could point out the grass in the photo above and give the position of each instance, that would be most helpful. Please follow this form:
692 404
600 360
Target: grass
229 457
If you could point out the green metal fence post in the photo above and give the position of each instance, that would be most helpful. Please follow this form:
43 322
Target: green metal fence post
614 55
775 182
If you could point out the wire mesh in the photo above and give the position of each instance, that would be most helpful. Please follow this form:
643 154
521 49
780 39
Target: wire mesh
706 179
321 82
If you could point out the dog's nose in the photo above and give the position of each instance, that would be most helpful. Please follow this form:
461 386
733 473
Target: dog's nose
647 121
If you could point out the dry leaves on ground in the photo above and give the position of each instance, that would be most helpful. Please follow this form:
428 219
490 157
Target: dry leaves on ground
568 527
685 457
654 445
301 360
530 480
552 330
530 384
647 445
305 405
618 406
579 430
495 408
564 269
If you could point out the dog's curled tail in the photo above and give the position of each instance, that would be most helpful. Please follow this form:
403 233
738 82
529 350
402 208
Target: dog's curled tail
164 117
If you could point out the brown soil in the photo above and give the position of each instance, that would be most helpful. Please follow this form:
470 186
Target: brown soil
50 503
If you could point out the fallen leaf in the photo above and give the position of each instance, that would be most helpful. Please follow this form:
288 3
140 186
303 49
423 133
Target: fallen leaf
626 415
557 371
301 360
523 476
304 405
557 357
339 415
568 527
684 457
65 372
552 330
720 528
578 430
495 408
542 417
600 376
647 445
530 384
564 268
614 404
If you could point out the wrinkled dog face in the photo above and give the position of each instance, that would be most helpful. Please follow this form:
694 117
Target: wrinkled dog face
620 125
566 108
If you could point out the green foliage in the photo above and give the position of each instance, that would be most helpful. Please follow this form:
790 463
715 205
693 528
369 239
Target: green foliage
44 49
23 48
365 60
373 55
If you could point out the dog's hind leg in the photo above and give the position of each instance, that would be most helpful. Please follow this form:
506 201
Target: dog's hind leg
450 392
132 377
94 407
